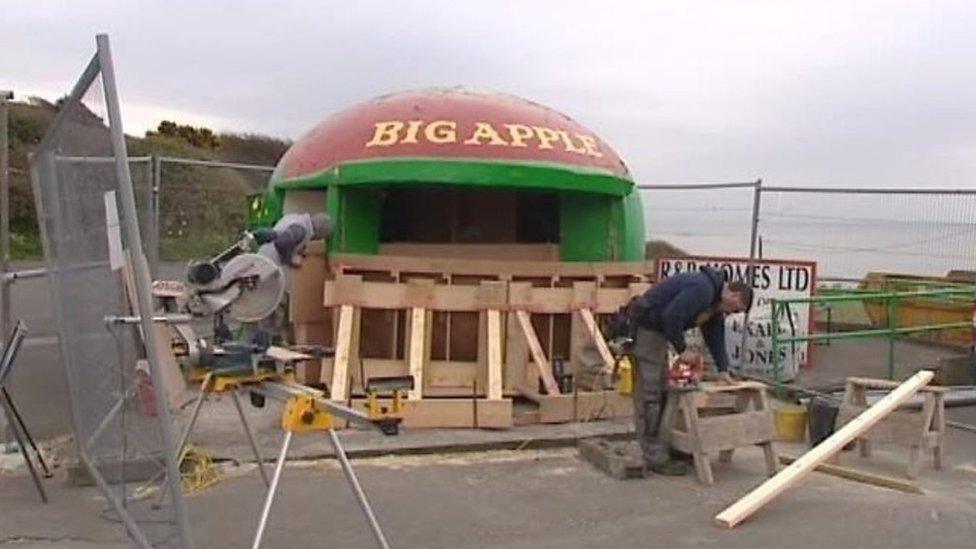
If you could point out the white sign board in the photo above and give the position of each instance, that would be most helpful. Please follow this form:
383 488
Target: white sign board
771 279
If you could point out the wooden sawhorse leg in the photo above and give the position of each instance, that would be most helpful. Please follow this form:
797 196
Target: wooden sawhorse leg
703 467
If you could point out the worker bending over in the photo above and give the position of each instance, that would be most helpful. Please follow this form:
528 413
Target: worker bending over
661 316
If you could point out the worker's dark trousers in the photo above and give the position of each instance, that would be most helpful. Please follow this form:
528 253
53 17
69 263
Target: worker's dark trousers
650 352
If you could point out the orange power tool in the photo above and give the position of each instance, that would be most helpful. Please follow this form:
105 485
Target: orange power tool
686 375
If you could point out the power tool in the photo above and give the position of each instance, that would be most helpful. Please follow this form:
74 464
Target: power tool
684 374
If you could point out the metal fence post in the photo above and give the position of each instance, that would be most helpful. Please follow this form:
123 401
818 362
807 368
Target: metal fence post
154 207
4 214
750 266
4 229
774 348
143 280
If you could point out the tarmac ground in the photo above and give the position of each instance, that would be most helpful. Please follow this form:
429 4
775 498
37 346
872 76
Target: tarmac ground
519 487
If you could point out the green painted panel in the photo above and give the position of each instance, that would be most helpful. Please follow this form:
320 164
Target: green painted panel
585 227
602 222
631 228
359 221
526 175
333 199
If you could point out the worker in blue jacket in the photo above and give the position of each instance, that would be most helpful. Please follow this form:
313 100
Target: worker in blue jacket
661 316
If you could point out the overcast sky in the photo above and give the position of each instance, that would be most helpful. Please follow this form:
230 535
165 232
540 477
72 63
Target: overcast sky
872 93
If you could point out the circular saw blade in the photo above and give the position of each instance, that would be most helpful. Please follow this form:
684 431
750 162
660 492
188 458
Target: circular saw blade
260 299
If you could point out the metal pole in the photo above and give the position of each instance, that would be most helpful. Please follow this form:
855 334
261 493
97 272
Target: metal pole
20 436
750 266
157 174
143 281
250 438
23 428
269 500
4 213
185 437
374 525
216 164
774 325
889 310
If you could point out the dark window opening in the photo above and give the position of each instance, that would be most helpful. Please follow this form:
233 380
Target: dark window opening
469 215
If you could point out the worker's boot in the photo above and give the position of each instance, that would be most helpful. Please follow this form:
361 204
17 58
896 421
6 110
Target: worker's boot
670 468
678 455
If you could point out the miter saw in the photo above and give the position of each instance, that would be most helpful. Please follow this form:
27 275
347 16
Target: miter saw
244 285
247 283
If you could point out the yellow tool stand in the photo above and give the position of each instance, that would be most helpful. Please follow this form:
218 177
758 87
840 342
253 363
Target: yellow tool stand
306 410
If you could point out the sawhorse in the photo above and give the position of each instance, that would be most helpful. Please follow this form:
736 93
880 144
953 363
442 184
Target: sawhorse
695 422
920 430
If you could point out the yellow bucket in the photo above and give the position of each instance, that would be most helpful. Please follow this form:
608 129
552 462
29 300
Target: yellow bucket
791 423
625 376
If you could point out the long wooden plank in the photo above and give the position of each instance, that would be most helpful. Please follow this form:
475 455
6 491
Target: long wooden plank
352 290
417 351
452 412
538 357
345 262
861 476
601 345
340 365
742 509
494 354
172 376
516 354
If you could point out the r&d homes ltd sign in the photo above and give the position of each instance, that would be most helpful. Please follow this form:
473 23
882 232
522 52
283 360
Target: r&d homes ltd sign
771 279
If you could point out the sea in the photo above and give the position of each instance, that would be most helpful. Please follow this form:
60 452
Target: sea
847 236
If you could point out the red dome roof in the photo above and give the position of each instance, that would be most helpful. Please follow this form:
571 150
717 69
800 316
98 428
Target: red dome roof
452 124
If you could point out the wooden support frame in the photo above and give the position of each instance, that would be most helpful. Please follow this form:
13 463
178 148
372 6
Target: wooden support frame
754 500
504 295
494 320
594 331
452 413
346 348
417 352
919 430
538 357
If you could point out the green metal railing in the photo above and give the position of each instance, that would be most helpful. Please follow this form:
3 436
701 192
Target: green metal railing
780 307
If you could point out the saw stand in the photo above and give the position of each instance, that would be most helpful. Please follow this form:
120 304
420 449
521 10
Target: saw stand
306 410
20 432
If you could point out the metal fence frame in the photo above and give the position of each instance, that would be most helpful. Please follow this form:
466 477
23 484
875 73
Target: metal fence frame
759 189
43 171
158 187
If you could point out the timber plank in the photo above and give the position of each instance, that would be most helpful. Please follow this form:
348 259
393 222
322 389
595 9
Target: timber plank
417 351
453 412
541 362
601 345
746 506
494 354
339 386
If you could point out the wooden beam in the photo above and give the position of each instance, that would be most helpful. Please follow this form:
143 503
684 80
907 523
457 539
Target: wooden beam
421 293
340 365
601 345
745 507
173 380
516 354
541 362
494 354
452 412
861 476
347 262
417 351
